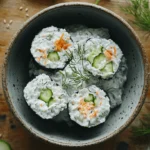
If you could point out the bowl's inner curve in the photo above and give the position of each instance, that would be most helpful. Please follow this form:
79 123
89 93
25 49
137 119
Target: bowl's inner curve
17 73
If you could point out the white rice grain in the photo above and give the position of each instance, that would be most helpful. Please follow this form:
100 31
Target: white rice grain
4 21
20 8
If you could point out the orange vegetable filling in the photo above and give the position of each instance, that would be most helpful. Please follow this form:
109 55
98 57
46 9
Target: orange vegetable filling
41 105
45 62
41 50
115 51
94 114
44 55
97 93
61 44
85 107
108 54
38 58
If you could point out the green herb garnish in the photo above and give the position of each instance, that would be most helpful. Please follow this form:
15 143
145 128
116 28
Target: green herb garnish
79 76
140 9
64 79
144 127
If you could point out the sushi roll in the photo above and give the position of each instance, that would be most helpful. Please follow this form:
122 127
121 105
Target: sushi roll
49 48
102 57
89 107
45 97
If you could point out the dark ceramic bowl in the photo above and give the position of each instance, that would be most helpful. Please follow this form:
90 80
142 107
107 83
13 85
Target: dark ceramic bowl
15 73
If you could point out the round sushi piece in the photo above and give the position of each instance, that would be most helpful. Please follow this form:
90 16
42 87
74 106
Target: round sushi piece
102 57
89 106
50 47
45 97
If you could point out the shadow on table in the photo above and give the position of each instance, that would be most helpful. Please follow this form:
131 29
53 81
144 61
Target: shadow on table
39 144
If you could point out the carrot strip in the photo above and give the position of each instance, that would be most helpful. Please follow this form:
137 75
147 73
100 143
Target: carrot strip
38 58
94 114
61 44
45 62
115 51
97 93
41 105
41 50
108 54
44 55
66 46
85 107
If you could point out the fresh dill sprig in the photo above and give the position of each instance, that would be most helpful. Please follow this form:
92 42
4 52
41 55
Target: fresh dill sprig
69 54
140 131
144 128
79 75
140 10
64 79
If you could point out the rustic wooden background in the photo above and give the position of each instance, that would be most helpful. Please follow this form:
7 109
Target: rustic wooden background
10 129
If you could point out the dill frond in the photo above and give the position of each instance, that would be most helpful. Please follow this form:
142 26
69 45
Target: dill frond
140 10
79 75
144 128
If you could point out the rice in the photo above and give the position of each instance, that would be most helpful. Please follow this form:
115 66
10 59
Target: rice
79 32
45 109
91 111
97 60
49 48
85 43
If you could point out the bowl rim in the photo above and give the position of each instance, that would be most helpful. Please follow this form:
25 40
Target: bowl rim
83 143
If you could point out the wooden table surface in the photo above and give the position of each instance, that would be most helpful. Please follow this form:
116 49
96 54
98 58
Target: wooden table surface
10 129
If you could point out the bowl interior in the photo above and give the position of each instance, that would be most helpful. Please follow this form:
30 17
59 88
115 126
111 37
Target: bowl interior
17 74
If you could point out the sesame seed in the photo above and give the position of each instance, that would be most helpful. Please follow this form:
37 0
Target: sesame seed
26 9
4 21
21 8
10 22
27 15
8 26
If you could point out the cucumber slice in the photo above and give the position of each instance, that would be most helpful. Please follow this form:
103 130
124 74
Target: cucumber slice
4 145
90 58
93 54
98 61
53 56
102 49
108 68
46 95
89 98
51 101
96 102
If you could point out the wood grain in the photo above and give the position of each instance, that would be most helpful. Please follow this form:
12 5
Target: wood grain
10 129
